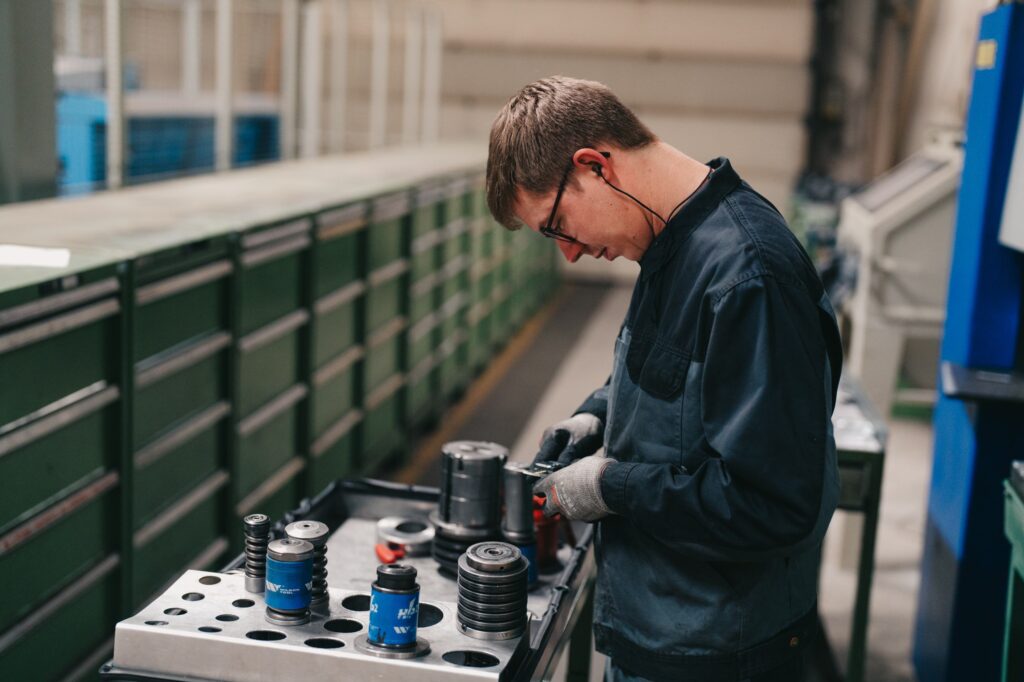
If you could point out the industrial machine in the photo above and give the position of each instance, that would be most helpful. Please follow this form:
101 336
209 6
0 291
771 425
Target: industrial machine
899 229
979 428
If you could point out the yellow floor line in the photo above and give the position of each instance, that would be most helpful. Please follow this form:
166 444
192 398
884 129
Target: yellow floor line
429 449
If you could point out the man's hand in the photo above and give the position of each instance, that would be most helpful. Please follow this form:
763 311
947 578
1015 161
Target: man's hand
575 491
569 440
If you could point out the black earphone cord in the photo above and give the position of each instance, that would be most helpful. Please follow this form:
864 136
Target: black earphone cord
645 206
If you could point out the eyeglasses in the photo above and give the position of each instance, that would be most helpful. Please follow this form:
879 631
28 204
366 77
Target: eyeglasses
552 232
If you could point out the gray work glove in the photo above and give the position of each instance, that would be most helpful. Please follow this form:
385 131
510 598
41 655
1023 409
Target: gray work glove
569 440
575 491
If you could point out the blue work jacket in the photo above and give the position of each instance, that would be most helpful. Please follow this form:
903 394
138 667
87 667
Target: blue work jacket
718 414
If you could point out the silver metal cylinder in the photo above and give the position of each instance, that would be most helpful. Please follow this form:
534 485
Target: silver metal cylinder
316 534
518 523
470 484
469 508
492 591
257 535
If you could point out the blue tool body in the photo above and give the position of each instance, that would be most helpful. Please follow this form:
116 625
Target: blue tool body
289 584
529 553
394 607
393 617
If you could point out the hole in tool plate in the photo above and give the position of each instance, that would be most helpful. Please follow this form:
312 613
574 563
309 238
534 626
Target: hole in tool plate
343 625
411 527
429 615
357 602
156 622
471 659
265 635
226 617
243 603
175 611
324 643
209 628
209 580
192 596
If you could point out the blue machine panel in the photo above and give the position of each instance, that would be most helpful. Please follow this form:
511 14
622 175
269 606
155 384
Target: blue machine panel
963 584
157 147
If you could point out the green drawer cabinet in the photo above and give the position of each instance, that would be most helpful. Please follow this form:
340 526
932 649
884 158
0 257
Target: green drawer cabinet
61 454
182 341
339 273
273 363
337 256
271 278
167 383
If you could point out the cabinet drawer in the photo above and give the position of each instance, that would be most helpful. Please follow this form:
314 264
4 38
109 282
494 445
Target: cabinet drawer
54 648
48 361
265 450
266 371
161 405
270 290
337 263
81 445
166 554
170 320
83 534
161 481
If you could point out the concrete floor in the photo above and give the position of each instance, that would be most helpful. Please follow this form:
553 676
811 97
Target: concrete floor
904 488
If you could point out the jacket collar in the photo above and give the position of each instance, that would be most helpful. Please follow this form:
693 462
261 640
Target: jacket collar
722 181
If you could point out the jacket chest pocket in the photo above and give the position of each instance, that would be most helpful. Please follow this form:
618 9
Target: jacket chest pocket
647 403
659 369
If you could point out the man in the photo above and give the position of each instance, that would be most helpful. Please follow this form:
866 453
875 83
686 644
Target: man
719 475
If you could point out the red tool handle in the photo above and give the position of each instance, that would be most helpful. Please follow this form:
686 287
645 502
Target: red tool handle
389 555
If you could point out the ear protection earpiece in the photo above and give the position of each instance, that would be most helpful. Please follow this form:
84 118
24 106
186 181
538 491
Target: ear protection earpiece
596 167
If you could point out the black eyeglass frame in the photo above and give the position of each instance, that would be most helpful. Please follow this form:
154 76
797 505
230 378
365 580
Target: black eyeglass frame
549 231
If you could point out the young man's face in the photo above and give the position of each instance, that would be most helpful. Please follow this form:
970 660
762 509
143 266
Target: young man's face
593 218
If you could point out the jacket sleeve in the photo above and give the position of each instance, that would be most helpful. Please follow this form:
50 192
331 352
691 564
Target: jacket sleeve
765 417
596 403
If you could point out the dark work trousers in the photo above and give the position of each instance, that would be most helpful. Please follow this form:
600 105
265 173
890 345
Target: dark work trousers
790 672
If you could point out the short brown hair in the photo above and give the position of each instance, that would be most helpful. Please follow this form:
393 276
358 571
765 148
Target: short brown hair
541 127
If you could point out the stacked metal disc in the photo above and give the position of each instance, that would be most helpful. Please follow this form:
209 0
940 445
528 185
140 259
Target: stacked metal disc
492 591
469 508
257 536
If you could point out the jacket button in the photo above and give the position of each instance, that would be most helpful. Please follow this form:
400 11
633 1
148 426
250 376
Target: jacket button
794 641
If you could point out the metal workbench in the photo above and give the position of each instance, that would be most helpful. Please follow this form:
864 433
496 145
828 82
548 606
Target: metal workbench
207 627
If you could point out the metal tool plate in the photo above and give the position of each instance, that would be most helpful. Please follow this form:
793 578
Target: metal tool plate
165 640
